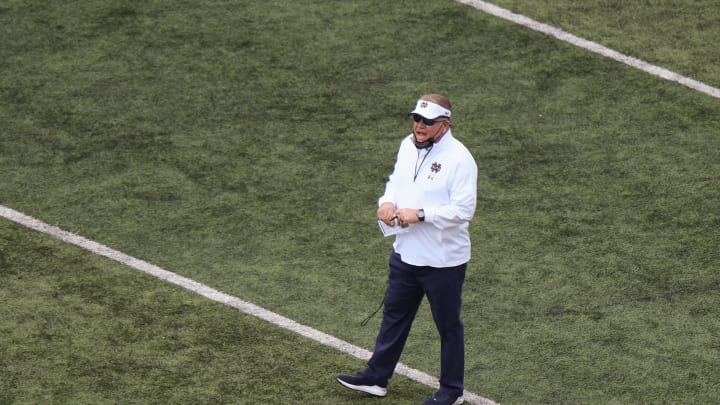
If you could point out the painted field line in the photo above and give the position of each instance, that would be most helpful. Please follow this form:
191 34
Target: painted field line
592 46
218 296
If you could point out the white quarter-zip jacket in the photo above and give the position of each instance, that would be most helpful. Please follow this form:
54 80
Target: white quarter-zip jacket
441 180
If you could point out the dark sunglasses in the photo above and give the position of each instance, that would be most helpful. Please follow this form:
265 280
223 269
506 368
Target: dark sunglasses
427 121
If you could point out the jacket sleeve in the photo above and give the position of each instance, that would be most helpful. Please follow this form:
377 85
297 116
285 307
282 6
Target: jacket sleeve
391 191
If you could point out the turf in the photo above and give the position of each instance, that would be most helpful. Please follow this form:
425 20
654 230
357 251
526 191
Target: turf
79 329
244 145
671 34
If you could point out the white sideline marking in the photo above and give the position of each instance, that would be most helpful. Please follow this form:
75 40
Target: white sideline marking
223 298
592 46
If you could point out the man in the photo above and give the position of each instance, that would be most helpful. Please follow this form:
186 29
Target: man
432 192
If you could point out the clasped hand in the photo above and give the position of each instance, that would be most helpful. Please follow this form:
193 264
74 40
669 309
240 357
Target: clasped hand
404 216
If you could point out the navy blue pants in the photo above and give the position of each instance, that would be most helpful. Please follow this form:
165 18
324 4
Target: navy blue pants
407 285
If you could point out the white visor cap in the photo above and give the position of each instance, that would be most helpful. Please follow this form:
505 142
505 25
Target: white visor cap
430 110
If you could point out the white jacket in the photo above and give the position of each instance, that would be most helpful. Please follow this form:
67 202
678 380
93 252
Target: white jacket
444 184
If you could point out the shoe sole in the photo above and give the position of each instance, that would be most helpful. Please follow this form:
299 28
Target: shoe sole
374 390
459 401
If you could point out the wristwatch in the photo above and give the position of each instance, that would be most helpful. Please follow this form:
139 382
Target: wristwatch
421 214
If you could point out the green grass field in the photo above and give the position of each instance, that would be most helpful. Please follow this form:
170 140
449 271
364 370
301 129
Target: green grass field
243 144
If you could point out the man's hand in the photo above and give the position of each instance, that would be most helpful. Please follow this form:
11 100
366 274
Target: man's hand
407 216
386 213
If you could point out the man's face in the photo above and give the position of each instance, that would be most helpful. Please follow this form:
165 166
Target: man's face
425 129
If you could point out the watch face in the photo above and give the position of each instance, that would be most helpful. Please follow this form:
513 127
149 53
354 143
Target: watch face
421 214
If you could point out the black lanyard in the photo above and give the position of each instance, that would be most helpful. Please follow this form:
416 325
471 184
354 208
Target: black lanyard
417 168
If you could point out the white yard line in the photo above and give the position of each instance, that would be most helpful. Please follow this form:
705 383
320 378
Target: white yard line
218 296
592 46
